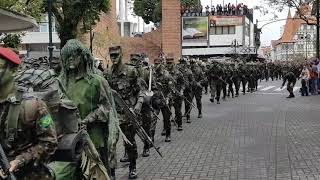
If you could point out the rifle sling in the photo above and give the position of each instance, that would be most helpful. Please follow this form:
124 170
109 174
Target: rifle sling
12 120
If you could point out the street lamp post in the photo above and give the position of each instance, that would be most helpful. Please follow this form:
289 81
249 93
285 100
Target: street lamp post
235 44
318 28
50 47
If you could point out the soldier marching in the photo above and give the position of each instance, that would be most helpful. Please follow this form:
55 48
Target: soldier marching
125 100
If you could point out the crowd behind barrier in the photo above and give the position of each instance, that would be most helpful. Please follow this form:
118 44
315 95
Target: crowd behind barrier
218 10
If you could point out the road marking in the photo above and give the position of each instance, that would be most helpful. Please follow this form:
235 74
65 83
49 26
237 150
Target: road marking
260 93
279 89
267 88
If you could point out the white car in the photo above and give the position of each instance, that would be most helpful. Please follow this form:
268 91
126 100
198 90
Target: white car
192 33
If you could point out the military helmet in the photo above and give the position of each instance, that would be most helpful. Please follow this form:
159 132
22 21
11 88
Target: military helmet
115 50
135 57
158 60
169 60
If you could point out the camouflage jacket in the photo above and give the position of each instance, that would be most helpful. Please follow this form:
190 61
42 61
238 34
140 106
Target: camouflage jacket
125 80
34 138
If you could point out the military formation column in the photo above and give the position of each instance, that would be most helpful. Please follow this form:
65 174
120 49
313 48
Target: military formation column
65 122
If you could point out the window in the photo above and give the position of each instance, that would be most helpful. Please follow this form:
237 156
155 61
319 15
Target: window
218 30
232 29
225 30
212 30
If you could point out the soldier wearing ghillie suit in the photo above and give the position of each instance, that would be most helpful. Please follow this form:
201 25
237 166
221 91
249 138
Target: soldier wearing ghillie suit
93 97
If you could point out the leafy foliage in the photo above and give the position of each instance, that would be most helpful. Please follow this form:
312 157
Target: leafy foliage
11 40
34 8
151 10
148 10
77 16
301 8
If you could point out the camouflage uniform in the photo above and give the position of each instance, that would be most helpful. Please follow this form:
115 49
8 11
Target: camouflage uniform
125 80
163 95
27 131
199 79
177 94
188 79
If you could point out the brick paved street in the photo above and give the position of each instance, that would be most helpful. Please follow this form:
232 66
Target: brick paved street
257 136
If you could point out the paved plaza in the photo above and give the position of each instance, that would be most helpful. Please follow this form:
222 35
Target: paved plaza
259 136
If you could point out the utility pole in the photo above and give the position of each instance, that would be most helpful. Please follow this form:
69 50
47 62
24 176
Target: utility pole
50 47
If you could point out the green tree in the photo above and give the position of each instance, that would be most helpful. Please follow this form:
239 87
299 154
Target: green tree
34 8
151 10
76 17
11 40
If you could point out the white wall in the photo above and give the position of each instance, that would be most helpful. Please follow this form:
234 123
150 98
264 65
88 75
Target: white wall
39 38
226 39
252 35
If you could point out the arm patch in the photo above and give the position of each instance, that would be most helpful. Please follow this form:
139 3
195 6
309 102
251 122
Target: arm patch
46 121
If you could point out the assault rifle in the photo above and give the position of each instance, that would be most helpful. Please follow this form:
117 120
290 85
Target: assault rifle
135 119
5 165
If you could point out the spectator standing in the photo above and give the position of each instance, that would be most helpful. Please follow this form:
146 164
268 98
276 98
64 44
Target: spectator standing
233 7
213 9
305 76
229 9
314 79
207 10
225 10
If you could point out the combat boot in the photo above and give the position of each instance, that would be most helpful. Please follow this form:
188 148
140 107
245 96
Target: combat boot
112 174
180 128
212 100
146 152
188 120
168 139
163 133
200 114
133 173
125 158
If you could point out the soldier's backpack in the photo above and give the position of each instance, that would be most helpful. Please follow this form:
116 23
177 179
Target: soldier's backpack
42 84
74 143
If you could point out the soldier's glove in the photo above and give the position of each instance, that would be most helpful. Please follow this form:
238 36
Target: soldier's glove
2 174
136 110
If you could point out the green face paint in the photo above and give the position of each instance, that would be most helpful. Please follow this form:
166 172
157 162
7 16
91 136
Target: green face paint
115 57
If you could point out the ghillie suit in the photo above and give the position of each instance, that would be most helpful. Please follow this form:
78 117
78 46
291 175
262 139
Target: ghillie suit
93 97
80 155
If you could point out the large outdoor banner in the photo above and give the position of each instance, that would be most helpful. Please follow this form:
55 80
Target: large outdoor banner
225 21
195 31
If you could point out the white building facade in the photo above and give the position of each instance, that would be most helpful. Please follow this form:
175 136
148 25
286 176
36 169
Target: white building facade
226 35
302 45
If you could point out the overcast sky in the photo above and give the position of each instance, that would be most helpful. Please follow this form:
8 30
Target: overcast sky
269 32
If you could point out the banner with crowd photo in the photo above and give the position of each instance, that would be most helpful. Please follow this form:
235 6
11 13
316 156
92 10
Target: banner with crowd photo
225 21
195 31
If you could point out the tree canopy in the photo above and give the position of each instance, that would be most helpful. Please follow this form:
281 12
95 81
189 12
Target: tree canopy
76 17
301 8
34 8
73 17
151 10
